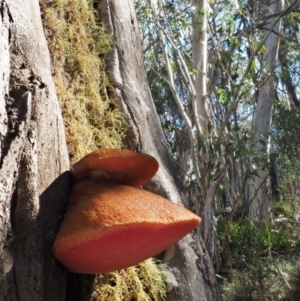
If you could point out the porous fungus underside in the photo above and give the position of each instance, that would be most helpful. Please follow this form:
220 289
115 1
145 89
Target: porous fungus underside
78 45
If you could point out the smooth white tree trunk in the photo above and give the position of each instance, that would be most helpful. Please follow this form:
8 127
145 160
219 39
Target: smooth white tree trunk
199 56
259 196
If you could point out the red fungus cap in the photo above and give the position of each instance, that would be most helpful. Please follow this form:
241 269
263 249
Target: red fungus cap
109 227
118 165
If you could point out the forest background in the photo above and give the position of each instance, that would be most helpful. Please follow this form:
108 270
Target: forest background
224 76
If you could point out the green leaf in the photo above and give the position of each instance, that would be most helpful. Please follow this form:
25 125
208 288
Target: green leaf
224 96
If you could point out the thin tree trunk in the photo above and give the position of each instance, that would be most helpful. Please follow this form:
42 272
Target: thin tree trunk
190 271
209 231
34 159
259 196
199 55
291 89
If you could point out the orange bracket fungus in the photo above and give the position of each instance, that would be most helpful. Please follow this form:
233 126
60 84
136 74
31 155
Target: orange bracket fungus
118 165
110 223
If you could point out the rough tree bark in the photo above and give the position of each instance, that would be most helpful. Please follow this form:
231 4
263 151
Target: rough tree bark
33 159
190 270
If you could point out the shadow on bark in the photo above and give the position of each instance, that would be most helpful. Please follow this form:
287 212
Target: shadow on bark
53 202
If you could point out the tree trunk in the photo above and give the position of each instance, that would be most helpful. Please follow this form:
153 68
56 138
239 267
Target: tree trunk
209 229
259 196
34 159
199 55
190 271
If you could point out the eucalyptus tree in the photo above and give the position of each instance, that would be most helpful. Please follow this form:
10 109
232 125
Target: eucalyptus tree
177 33
286 108
259 199
212 112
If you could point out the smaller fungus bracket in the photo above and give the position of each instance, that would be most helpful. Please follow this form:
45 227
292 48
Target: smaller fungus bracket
117 165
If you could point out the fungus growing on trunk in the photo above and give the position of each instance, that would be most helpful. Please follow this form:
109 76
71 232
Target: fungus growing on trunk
118 165
111 226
